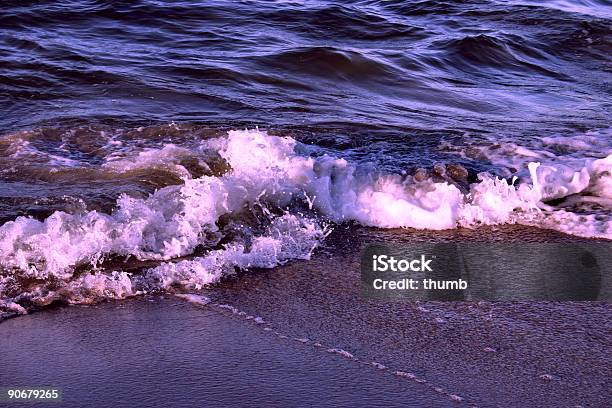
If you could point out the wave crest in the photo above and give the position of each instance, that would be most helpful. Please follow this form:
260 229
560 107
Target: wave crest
271 205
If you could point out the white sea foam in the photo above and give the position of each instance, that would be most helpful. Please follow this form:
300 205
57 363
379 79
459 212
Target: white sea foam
288 237
268 173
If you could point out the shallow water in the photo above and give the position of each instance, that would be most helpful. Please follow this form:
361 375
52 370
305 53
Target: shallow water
389 114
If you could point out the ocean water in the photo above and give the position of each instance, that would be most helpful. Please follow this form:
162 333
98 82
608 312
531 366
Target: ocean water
156 146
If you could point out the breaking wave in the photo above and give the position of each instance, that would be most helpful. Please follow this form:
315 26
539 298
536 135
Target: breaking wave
262 201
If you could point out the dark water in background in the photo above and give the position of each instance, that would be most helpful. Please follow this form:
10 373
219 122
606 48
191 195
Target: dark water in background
102 98
486 66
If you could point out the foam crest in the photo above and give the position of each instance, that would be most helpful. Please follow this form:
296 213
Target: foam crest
340 190
256 207
288 237
169 223
495 201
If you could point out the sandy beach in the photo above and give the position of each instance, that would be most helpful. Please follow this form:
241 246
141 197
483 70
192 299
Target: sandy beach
156 353
302 334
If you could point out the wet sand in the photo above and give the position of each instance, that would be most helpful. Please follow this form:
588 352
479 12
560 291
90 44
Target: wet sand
545 354
169 352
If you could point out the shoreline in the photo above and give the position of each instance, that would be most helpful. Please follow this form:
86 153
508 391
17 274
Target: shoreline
165 352
485 353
